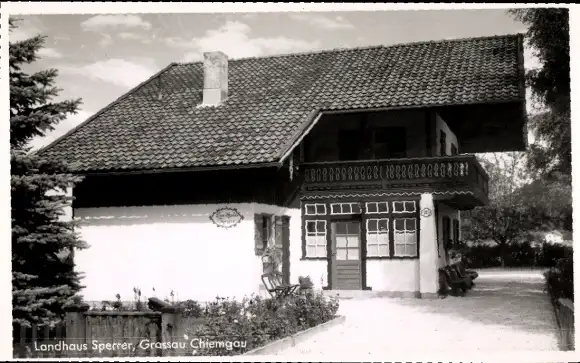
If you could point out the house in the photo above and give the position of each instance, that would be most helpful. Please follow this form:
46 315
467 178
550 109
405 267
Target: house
354 163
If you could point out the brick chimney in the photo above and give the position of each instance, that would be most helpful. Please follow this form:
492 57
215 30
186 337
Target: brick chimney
215 78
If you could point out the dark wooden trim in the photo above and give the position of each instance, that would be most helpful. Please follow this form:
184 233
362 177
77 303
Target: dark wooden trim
436 216
395 257
179 170
428 132
363 246
327 287
304 258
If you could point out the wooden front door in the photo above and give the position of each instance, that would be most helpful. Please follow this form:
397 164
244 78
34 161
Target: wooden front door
345 257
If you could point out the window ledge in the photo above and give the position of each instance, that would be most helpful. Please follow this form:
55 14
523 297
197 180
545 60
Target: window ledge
313 258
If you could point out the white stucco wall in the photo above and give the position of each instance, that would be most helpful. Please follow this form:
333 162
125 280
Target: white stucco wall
393 275
451 138
168 248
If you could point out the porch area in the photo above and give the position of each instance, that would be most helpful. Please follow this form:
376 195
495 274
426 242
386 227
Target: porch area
505 311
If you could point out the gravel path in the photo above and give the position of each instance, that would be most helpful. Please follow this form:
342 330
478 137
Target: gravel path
505 311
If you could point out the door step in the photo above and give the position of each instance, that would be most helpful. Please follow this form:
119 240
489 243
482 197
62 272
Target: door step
352 294
368 294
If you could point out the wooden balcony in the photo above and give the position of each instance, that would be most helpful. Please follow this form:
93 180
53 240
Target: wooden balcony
459 180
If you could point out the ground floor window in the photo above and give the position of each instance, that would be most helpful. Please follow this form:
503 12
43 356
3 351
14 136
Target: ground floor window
406 237
378 237
316 238
390 229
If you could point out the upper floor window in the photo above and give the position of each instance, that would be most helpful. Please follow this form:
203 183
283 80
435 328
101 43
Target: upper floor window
442 143
348 144
390 142
454 150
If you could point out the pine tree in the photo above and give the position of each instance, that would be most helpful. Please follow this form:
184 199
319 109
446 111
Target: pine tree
43 275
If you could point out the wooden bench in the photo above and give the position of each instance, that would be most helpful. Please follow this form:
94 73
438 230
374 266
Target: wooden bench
275 287
458 285
462 275
461 267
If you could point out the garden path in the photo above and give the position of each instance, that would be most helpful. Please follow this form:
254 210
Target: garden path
506 311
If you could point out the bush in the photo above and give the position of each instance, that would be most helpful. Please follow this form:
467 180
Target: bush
516 255
560 279
191 308
257 321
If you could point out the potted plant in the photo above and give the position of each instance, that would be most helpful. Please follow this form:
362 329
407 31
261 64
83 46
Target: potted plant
272 259
306 285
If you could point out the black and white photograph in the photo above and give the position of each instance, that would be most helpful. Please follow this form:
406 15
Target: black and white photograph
296 181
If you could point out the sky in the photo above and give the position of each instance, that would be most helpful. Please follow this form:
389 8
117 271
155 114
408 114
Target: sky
100 57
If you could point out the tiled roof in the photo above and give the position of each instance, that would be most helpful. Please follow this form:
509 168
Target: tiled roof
159 125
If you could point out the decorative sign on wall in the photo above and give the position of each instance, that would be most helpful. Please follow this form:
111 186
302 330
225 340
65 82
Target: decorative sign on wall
426 212
226 217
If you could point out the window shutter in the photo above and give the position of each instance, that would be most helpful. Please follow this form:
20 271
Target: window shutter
455 230
278 231
259 234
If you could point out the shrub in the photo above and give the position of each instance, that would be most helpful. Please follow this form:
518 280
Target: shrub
257 321
516 255
191 308
560 279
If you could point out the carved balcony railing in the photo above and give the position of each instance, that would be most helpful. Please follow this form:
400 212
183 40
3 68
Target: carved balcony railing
459 172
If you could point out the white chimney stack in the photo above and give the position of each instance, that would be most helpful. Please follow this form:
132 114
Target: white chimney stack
215 78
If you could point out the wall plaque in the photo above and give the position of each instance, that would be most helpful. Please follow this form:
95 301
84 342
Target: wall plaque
226 217
426 212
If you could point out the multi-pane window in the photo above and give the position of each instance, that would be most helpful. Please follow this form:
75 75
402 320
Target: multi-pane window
405 237
315 238
345 208
316 209
377 207
378 237
404 207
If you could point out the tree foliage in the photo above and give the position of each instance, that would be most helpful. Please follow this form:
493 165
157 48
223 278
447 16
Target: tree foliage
43 275
519 205
549 36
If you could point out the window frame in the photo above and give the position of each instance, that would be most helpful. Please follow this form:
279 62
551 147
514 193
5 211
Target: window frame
415 231
377 233
392 216
317 233
378 212
316 205
341 204
363 217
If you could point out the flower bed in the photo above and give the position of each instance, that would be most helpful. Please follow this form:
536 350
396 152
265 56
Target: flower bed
227 327
256 321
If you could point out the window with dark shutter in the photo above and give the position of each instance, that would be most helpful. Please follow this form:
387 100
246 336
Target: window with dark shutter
446 232
262 224
455 230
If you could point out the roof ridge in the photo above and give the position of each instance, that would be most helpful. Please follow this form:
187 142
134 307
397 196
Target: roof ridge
107 107
346 49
